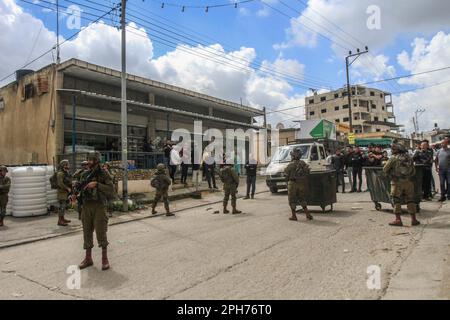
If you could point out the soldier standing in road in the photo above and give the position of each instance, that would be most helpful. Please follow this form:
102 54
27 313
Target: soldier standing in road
400 169
296 174
161 183
230 181
5 185
77 177
64 181
95 195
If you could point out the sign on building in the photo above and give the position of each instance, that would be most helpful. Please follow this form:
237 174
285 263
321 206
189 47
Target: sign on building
316 129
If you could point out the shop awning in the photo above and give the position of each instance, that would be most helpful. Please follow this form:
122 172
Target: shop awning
376 142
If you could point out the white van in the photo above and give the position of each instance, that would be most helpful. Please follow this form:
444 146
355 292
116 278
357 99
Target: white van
314 155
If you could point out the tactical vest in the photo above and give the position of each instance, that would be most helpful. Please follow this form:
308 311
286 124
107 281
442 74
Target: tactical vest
403 167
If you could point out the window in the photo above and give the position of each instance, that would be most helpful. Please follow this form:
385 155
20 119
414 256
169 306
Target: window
28 91
344 94
372 94
324 111
2 104
375 119
322 153
336 108
311 113
345 106
374 106
381 95
382 108
378 130
385 120
336 95
314 154
345 119
311 101
323 98
337 120
355 117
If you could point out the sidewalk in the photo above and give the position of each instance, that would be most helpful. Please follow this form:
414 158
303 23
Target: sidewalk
26 230
425 272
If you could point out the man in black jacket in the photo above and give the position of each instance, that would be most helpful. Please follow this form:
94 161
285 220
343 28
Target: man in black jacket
250 169
424 156
357 161
338 163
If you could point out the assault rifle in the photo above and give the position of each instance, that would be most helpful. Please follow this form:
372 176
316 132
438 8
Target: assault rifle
79 187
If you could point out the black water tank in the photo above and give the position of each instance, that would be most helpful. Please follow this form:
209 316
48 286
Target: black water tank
22 72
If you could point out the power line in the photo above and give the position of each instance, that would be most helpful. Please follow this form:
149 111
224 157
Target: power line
50 50
234 4
404 76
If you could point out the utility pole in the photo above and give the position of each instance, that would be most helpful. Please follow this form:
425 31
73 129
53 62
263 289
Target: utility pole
124 118
417 113
58 58
349 92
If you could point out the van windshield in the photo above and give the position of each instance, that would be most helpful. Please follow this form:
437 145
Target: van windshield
283 153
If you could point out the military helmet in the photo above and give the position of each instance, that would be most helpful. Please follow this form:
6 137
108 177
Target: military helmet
62 163
296 152
3 168
398 148
161 167
84 163
94 155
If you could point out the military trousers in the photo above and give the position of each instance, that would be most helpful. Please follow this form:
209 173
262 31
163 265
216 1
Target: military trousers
94 218
3 204
229 191
402 190
165 198
297 192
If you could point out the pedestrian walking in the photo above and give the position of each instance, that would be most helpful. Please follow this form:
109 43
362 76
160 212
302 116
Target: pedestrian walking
64 183
424 156
161 183
250 170
401 170
297 173
96 189
442 164
5 186
230 182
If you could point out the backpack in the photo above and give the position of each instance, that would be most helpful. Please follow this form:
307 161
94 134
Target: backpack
404 167
155 182
301 170
54 181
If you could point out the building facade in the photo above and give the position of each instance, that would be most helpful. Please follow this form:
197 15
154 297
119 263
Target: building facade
372 109
47 113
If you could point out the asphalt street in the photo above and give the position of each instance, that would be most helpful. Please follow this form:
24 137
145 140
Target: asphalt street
259 254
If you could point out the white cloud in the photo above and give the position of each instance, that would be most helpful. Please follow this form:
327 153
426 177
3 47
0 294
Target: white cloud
426 55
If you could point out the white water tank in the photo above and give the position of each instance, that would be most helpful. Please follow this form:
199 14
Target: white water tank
10 195
52 194
29 191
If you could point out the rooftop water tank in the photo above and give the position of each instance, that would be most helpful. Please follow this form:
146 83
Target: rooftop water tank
29 191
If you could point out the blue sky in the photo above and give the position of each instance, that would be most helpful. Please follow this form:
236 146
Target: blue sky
413 37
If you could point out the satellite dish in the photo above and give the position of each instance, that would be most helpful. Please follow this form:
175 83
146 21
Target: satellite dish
280 126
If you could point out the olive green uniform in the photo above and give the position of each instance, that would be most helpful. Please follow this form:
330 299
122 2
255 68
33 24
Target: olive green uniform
161 183
230 181
401 171
64 181
93 214
77 177
296 174
5 185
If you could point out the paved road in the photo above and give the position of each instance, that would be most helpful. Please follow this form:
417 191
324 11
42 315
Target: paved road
201 255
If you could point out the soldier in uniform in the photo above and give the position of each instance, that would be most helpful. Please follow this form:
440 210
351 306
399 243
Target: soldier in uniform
5 185
95 195
77 177
296 175
113 174
230 181
400 169
161 183
64 181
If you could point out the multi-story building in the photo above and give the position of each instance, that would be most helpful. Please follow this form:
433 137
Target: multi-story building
372 109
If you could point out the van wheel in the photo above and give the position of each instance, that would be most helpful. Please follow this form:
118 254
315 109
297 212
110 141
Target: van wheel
273 190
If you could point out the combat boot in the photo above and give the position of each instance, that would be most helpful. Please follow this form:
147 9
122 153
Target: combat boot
1 222
87 262
397 222
61 222
66 220
294 215
169 214
225 210
105 262
414 221
154 209
236 211
308 215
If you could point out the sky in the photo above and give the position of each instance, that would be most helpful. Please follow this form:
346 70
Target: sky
269 53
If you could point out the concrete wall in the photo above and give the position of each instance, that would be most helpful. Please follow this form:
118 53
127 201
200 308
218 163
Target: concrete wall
25 132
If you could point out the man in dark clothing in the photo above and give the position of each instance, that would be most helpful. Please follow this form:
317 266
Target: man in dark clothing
424 156
250 169
210 166
357 161
348 164
338 163
372 161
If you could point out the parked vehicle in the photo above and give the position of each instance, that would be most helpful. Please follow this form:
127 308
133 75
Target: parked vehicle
313 153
